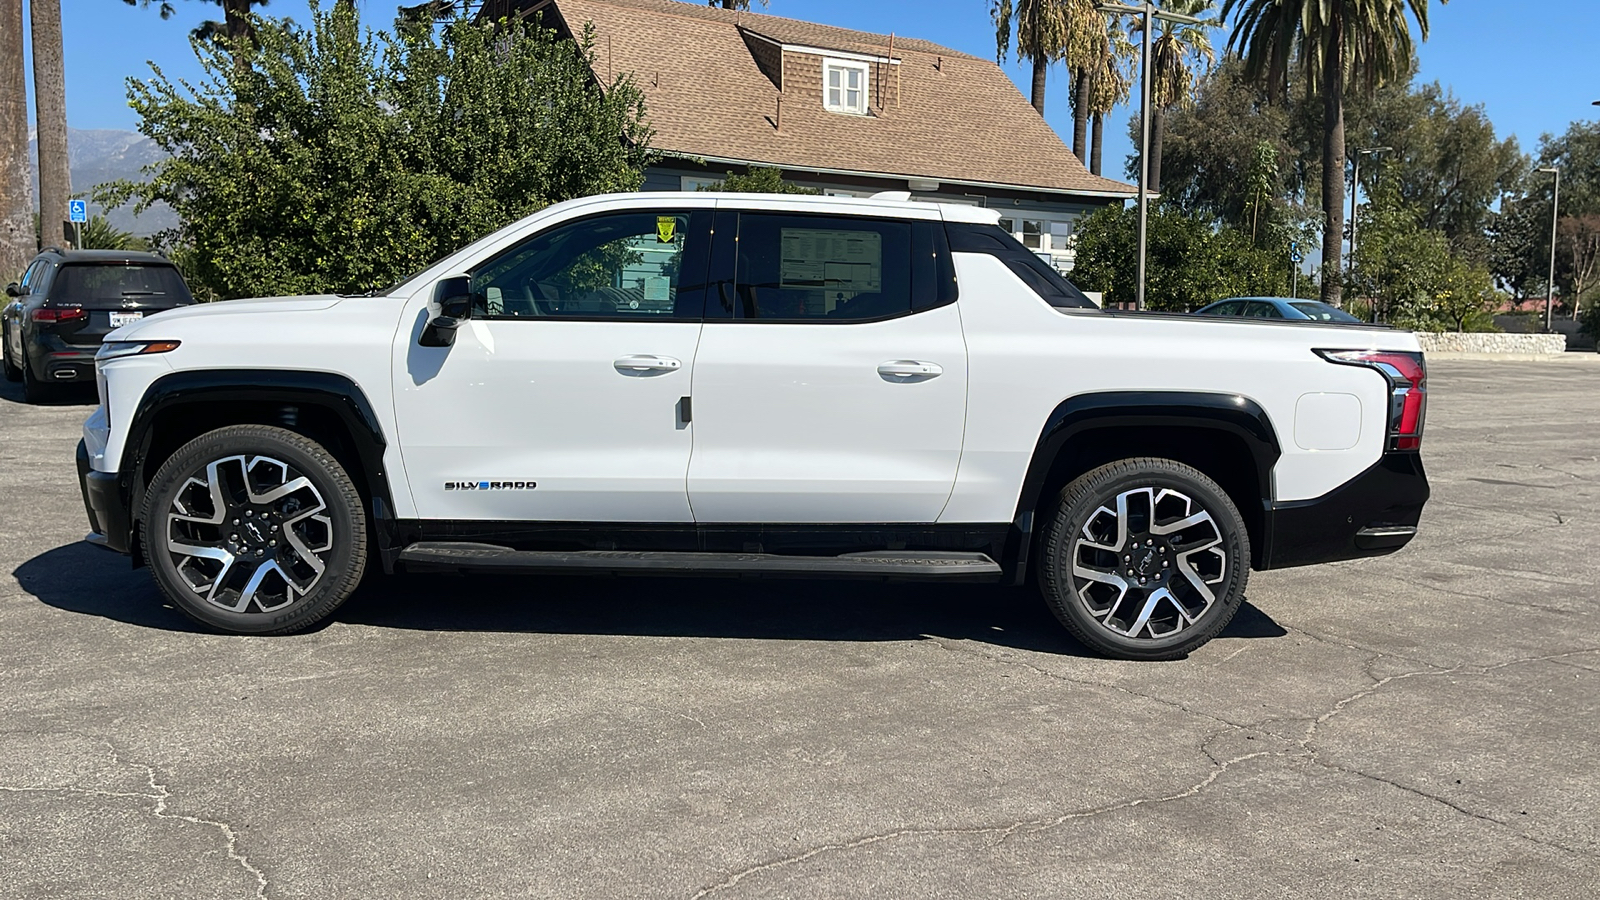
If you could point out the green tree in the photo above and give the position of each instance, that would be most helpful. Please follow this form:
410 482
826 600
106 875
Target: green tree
1411 273
1445 158
759 180
1190 262
1336 44
337 160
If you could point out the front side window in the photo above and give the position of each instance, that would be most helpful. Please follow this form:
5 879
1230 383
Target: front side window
622 265
1260 309
844 86
822 268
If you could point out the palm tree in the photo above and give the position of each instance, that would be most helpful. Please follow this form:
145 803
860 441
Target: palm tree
16 202
50 105
235 24
1109 80
1172 79
1047 31
1335 44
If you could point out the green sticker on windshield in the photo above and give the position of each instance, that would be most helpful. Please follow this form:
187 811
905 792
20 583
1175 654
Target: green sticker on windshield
666 229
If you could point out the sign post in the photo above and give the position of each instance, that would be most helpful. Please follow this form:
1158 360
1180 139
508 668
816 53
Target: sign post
77 214
1294 269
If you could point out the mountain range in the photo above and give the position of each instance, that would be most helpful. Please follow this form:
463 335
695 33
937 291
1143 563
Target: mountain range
95 156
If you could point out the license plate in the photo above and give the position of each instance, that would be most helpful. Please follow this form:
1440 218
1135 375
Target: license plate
119 319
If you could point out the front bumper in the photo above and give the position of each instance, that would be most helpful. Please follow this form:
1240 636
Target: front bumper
1373 514
110 522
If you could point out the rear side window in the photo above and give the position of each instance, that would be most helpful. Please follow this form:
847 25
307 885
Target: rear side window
1231 308
90 282
1034 272
799 268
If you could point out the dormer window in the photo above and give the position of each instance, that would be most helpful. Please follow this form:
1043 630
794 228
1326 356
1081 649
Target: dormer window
844 86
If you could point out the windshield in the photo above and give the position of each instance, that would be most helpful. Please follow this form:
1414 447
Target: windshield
1322 312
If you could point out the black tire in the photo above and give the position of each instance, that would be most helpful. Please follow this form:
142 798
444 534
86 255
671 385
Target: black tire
255 531
34 390
1135 620
12 371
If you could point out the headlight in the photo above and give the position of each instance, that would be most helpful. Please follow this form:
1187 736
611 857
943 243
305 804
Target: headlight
119 349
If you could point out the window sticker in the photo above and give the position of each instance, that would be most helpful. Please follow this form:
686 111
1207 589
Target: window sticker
843 261
666 229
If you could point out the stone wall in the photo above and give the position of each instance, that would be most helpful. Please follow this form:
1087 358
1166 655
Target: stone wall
1491 342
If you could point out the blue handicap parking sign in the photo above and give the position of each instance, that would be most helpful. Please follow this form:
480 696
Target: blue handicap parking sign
77 211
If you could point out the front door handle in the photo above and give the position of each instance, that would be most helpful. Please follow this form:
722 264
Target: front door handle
645 363
909 370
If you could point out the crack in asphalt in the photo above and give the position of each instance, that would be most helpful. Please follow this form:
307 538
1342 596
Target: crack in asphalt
1301 748
1079 681
160 795
1000 831
1484 597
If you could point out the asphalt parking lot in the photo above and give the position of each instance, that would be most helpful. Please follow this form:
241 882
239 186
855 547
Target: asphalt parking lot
1425 725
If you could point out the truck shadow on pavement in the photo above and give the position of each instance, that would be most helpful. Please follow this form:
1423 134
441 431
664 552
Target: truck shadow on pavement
74 394
90 581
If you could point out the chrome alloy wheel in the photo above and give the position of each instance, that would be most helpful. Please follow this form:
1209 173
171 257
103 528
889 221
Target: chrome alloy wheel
249 534
1148 568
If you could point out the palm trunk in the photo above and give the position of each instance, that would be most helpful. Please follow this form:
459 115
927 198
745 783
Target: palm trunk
1040 66
16 201
1158 129
50 103
1333 165
1080 116
1097 130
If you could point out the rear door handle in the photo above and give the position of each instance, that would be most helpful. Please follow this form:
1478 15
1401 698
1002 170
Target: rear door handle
908 369
643 362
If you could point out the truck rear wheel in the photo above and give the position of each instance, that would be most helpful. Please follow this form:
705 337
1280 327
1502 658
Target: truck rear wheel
1144 559
251 529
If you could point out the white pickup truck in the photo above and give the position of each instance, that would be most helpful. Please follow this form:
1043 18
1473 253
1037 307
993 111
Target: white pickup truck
697 383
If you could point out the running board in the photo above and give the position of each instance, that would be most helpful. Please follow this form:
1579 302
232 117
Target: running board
898 564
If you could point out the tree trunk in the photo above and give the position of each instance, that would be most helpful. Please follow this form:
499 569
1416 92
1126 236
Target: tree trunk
1040 66
1080 116
1097 131
50 104
17 245
1158 129
1333 164
236 16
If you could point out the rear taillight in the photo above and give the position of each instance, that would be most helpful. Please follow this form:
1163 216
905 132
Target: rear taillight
60 314
1408 389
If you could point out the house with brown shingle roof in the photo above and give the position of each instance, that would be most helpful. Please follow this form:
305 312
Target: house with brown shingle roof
846 111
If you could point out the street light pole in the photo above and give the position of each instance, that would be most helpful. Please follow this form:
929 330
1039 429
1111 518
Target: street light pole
1147 11
1355 187
1550 288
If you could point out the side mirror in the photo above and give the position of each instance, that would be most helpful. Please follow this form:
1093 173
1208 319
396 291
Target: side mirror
454 297
13 290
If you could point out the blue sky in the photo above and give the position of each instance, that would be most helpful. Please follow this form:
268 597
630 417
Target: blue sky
1532 65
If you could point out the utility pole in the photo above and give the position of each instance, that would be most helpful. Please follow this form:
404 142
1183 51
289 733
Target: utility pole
1550 289
1147 12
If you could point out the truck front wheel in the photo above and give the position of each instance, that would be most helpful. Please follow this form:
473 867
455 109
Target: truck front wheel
251 529
1144 559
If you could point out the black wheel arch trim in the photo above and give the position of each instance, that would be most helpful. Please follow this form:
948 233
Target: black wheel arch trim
1233 414
333 392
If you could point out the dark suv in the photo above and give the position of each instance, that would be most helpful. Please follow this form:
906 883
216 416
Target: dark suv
66 303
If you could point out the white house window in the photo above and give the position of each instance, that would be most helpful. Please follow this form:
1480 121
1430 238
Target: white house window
844 86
